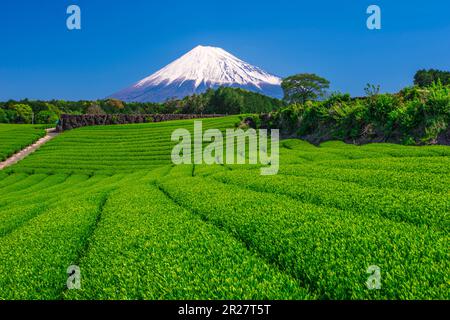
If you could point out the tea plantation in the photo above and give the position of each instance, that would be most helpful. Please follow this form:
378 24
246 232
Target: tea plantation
109 200
14 138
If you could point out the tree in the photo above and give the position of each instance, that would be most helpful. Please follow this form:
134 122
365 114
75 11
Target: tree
425 78
95 109
113 105
46 117
372 90
3 116
226 100
23 112
303 87
52 108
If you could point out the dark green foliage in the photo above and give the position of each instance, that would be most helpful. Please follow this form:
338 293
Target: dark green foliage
47 117
372 90
3 116
413 116
425 78
22 113
224 100
304 87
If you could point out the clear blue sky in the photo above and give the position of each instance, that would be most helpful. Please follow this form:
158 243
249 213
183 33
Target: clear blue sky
124 41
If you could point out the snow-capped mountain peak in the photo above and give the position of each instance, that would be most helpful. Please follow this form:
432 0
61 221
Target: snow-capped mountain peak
201 68
210 65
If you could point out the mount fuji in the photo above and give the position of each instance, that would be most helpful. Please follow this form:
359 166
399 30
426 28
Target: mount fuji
201 68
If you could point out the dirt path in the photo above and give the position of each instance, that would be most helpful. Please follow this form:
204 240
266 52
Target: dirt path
28 150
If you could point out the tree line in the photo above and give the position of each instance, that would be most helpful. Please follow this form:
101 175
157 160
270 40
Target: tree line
298 89
224 100
414 116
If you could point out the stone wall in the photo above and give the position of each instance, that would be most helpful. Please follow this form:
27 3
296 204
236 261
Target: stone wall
68 121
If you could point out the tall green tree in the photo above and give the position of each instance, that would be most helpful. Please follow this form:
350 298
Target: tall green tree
3 116
23 113
226 100
46 117
425 78
302 87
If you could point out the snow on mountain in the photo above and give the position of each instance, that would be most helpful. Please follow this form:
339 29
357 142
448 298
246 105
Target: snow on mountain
201 68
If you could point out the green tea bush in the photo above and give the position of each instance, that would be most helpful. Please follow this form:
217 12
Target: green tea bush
109 200
14 138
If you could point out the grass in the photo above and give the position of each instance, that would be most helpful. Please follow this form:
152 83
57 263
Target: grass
109 200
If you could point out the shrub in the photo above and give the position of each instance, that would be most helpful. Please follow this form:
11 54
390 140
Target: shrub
46 117
3 116
425 78
22 112
414 114
95 109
